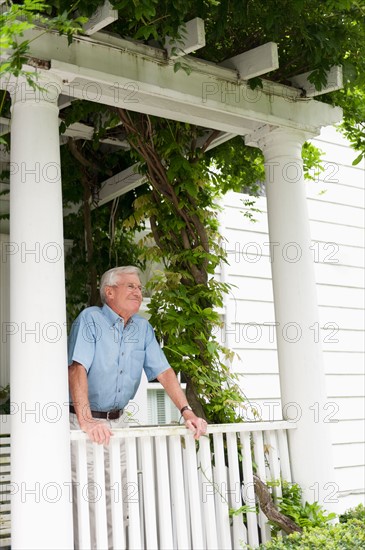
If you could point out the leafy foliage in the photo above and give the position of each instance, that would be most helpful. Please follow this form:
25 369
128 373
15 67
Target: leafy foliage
304 515
353 125
318 529
113 246
343 536
354 513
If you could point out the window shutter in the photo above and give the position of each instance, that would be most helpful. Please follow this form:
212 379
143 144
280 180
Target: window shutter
160 408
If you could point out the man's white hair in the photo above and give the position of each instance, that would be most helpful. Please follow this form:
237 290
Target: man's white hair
110 277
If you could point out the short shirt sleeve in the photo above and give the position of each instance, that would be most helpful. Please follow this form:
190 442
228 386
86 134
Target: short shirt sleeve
82 340
155 361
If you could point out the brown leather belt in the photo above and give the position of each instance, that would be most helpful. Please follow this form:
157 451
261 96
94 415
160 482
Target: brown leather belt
110 415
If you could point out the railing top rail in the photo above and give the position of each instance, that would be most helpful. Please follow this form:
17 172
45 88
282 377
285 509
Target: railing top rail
175 429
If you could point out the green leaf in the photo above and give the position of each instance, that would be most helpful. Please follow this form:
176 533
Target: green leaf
358 159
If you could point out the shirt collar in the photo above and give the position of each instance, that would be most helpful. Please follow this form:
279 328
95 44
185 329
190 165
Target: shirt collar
113 317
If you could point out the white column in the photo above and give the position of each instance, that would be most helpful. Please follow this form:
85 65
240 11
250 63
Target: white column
41 507
302 377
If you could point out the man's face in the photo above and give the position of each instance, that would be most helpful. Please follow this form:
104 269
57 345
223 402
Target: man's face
125 297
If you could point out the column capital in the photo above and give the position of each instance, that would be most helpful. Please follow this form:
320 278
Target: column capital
277 141
46 89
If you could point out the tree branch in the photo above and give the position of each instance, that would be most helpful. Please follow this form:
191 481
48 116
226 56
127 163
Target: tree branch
270 510
86 163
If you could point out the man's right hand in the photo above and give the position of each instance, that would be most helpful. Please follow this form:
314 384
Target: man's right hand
97 430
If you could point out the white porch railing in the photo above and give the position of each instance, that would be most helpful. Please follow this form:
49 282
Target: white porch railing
181 494
4 481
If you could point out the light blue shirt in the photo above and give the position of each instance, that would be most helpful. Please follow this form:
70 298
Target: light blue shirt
114 355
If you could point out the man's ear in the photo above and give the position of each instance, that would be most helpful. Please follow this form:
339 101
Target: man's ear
108 292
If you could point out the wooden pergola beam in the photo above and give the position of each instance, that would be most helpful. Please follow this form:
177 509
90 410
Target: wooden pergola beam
102 17
192 39
255 62
334 82
117 72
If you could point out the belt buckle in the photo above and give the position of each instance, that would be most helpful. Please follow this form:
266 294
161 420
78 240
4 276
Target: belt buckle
115 412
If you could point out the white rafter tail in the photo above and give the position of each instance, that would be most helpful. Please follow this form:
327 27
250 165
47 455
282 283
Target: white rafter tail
121 183
64 101
4 126
221 138
78 130
334 82
102 17
192 39
255 62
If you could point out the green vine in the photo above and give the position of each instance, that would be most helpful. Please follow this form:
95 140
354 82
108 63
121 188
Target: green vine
181 204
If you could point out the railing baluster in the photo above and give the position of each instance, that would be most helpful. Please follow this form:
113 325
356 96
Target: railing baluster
178 492
116 495
208 491
249 493
220 478
234 490
134 532
100 498
274 462
259 455
83 516
140 491
5 491
186 492
284 455
149 494
193 493
163 494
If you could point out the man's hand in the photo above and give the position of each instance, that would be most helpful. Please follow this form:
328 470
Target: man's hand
172 386
195 424
97 430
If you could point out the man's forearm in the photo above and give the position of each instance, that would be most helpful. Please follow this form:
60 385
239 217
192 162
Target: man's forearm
79 392
97 430
173 389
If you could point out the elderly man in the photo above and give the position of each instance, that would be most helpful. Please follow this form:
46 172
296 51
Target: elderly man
109 346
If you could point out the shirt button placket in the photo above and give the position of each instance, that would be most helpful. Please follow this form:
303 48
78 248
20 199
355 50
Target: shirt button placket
120 355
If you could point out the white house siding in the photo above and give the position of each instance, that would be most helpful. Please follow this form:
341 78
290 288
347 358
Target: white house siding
336 211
